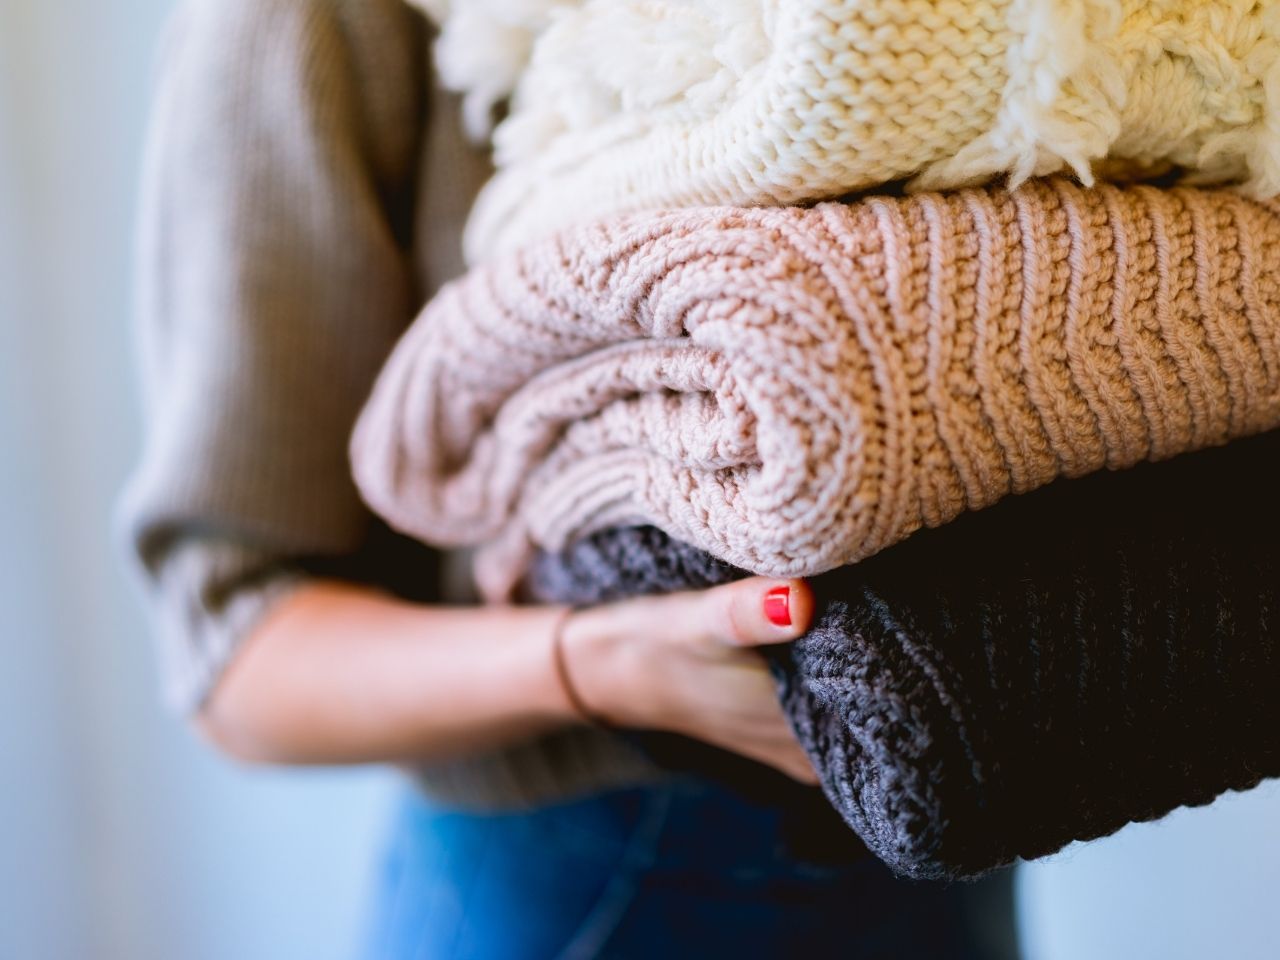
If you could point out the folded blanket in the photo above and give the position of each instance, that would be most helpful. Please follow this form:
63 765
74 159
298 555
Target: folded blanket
1098 652
625 105
794 390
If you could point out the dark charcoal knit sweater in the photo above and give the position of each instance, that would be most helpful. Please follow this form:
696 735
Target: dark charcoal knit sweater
1098 652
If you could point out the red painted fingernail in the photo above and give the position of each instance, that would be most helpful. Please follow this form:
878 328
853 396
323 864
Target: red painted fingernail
777 606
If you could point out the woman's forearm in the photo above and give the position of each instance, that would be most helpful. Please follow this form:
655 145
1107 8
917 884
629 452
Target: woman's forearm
345 674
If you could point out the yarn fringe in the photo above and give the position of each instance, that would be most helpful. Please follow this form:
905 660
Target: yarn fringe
624 105
1062 104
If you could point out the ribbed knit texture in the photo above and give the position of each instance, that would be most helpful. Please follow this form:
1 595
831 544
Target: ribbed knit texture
626 105
1095 653
793 390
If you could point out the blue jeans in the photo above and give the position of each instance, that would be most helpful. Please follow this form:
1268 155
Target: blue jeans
684 869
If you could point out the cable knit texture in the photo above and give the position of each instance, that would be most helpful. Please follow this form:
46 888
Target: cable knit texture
794 390
1096 653
624 105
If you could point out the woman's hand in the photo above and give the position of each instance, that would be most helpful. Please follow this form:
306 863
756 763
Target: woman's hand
684 663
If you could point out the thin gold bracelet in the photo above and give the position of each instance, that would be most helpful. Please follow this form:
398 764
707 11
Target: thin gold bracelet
584 713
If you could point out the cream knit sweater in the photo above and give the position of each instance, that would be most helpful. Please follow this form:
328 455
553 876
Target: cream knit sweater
624 105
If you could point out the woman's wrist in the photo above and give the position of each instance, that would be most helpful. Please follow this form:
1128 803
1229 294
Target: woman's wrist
604 675
564 674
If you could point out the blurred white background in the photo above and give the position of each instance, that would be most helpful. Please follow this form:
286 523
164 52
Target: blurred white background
121 838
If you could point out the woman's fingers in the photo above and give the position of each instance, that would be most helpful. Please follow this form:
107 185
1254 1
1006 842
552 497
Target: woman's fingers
794 762
781 751
757 611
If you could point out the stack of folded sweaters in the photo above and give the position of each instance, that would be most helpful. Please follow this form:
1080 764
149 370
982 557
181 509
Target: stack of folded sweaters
673 364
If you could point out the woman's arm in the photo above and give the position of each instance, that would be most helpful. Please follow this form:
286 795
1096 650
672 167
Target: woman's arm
275 276
343 674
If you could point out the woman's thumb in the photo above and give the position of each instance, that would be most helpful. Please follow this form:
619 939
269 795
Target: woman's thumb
758 611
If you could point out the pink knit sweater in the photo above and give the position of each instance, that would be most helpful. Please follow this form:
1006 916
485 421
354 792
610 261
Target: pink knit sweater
796 389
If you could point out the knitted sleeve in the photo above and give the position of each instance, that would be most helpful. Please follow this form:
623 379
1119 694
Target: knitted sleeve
1098 652
273 280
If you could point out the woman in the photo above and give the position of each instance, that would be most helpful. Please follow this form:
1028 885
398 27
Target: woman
304 191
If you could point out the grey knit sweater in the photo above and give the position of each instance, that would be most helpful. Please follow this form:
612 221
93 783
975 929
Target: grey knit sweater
1094 653
304 192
